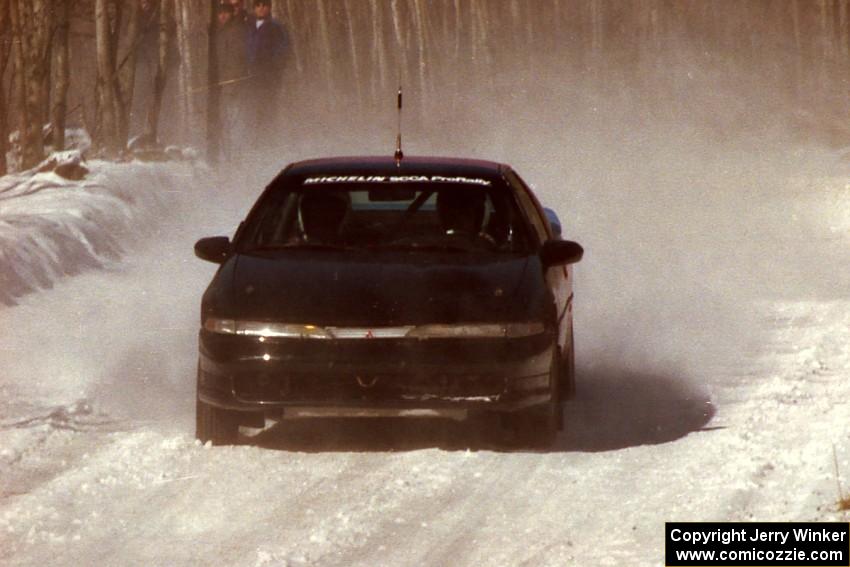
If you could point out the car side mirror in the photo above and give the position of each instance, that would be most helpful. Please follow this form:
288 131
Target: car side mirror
213 249
560 253
554 221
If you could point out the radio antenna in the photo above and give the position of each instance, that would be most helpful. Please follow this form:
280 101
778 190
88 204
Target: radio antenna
398 153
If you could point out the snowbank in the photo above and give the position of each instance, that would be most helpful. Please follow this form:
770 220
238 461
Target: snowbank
51 227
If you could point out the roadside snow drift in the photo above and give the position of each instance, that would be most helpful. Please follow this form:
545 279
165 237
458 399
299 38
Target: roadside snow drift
51 227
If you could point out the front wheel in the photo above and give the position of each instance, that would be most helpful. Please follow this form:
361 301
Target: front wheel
538 427
220 427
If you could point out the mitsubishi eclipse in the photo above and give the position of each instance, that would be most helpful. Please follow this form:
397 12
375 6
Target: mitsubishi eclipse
372 286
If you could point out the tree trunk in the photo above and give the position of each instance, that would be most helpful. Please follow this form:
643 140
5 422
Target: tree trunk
126 72
826 29
39 16
5 51
379 58
400 48
4 130
19 80
327 45
166 8
107 95
419 26
186 63
61 68
352 48
214 120
192 43
30 22
596 17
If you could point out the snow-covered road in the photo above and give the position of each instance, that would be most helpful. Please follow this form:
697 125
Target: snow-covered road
713 321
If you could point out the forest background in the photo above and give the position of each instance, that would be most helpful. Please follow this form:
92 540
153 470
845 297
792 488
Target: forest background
140 69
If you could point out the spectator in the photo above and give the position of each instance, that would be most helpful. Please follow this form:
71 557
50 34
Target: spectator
230 47
267 51
231 74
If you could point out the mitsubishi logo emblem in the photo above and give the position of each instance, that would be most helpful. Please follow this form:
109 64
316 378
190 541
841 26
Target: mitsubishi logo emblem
369 334
366 382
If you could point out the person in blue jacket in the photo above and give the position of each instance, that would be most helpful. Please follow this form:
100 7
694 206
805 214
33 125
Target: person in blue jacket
268 47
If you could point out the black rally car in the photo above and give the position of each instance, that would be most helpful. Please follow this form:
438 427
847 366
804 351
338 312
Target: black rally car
373 286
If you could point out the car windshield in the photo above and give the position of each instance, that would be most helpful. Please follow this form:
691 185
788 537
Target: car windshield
472 215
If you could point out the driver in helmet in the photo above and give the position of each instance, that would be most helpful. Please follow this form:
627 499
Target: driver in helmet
322 215
461 212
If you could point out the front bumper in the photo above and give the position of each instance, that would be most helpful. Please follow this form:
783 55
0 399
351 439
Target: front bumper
406 377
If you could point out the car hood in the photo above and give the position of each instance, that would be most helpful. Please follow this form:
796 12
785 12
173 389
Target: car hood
330 288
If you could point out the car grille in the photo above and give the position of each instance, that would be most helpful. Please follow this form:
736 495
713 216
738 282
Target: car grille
324 389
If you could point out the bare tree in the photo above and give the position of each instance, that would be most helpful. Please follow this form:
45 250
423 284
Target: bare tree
126 70
61 73
192 19
5 50
31 22
107 95
115 71
164 13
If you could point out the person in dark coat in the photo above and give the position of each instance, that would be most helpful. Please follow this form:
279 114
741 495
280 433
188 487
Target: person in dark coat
231 67
231 50
268 47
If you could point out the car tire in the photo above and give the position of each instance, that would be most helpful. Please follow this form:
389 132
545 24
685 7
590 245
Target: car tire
219 427
212 424
538 427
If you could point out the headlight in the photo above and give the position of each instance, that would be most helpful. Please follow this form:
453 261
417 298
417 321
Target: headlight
436 331
477 331
264 329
